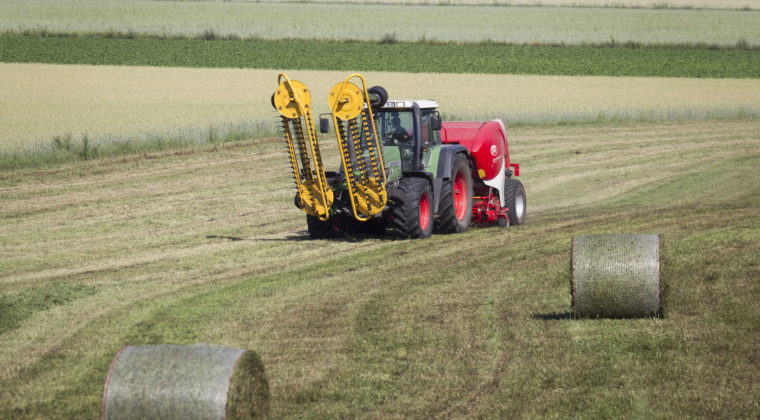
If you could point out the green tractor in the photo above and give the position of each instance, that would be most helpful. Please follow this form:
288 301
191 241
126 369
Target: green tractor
403 170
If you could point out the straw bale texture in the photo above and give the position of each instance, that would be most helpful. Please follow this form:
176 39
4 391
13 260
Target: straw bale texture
616 276
185 382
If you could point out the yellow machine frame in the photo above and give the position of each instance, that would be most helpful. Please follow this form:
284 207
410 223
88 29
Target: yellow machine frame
293 100
366 185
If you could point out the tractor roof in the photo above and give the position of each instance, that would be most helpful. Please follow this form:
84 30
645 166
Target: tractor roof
407 103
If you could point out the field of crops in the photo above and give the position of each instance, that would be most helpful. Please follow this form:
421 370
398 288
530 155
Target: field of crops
141 104
371 56
375 22
145 201
657 4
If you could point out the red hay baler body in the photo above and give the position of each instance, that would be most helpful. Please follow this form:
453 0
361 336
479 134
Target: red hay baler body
486 142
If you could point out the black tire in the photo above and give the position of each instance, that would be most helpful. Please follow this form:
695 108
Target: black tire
407 218
455 211
319 229
516 201
378 96
374 226
273 105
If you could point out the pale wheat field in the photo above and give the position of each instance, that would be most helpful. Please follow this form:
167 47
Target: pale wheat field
691 4
111 103
376 21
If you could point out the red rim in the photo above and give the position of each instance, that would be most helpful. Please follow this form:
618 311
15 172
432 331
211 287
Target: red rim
424 211
460 196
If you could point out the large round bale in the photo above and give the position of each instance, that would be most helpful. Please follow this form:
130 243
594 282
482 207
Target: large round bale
185 382
616 276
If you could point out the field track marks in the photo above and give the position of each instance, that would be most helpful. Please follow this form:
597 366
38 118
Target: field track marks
589 165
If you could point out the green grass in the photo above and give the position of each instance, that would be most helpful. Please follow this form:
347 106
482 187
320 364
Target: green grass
274 20
368 56
15 308
206 247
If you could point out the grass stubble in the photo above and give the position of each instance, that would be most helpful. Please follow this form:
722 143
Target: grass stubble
205 246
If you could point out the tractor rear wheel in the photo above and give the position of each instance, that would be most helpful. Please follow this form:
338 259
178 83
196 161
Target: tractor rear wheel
455 207
413 218
319 229
514 192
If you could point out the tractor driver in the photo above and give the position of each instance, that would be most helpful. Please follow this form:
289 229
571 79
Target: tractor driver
398 134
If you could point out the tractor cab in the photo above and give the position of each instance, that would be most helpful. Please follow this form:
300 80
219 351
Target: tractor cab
408 129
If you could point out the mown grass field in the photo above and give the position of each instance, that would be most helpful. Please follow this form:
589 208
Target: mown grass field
161 213
205 246
305 20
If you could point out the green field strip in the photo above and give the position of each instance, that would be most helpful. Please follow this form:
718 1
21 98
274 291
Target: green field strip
373 56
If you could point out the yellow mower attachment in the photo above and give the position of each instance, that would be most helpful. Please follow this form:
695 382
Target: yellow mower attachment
360 149
293 100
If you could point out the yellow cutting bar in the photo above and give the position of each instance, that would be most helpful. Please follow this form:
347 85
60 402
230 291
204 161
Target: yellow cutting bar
293 100
360 149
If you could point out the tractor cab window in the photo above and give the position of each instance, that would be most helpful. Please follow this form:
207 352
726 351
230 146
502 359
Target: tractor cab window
429 136
395 128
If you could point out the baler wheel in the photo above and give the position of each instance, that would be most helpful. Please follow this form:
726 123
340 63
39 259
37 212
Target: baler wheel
515 201
413 218
455 207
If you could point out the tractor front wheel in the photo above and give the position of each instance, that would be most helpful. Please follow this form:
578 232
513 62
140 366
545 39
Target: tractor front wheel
413 218
455 207
319 229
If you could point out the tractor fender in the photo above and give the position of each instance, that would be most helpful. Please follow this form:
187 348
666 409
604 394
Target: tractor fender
445 163
446 159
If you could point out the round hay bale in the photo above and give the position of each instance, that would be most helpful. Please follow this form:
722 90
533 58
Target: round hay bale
616 276
185 382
